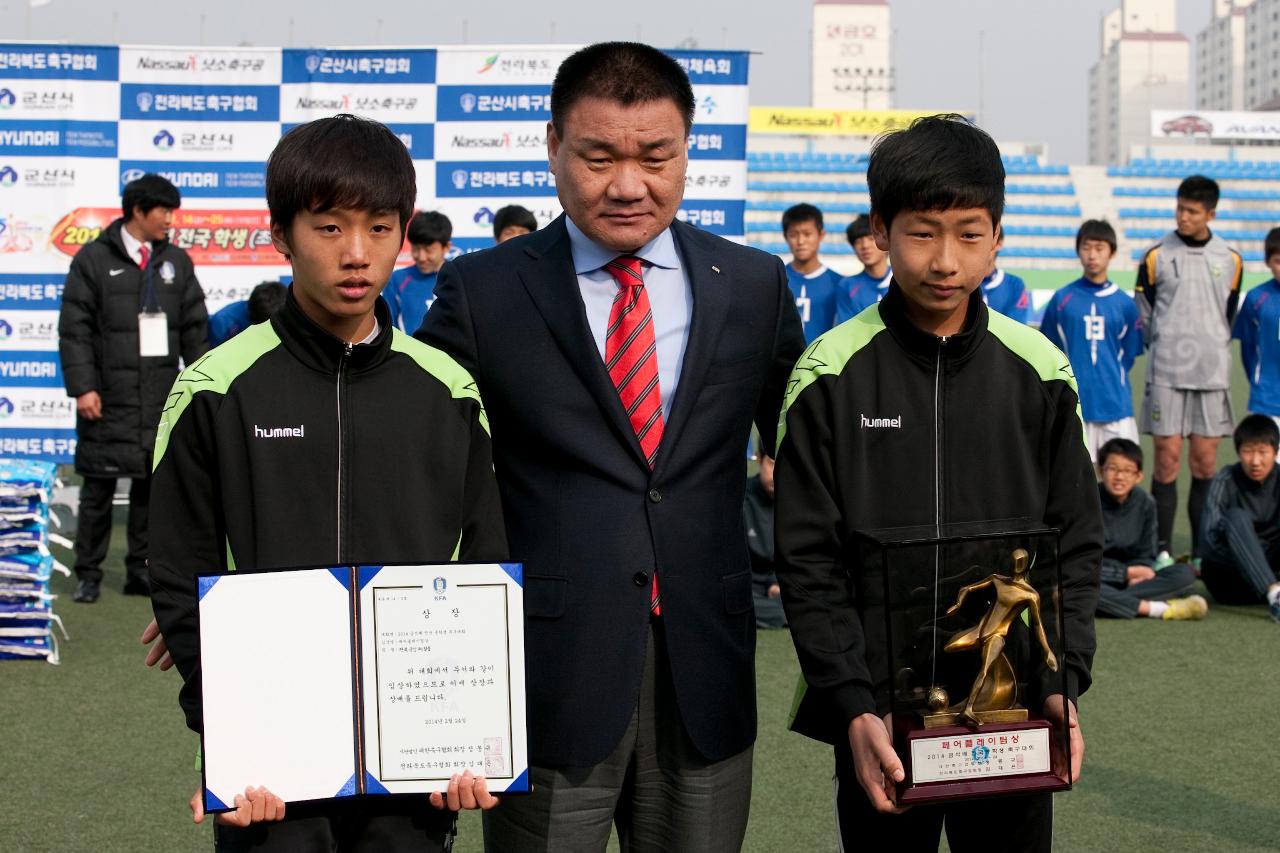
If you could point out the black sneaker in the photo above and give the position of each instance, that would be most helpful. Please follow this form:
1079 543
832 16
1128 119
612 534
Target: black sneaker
86 592
137 585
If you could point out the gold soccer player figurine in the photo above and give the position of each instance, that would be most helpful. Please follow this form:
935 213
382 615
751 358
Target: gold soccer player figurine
994 697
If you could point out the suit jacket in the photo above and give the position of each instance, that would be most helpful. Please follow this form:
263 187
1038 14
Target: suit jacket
586 515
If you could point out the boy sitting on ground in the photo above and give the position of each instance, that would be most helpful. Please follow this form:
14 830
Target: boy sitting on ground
1240 544
1130 586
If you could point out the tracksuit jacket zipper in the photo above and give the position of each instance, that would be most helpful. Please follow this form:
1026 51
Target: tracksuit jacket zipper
937 437
343 514
342 452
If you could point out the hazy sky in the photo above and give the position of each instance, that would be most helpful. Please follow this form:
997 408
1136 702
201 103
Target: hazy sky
1035 63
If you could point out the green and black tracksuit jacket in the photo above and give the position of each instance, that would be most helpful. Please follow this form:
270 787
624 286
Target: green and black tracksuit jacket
288 447
886 426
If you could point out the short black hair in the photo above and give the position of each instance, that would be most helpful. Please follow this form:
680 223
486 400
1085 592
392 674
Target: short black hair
265 300
858 228
799 213
147 193
623 71
341 162
1096 229
939 162
513 214
1122 447
1271 245
1256 428
1201 189
430 226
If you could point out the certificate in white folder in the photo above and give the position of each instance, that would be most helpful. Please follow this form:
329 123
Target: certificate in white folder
332 682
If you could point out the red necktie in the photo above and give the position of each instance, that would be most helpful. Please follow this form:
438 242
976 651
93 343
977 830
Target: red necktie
146 255
631 357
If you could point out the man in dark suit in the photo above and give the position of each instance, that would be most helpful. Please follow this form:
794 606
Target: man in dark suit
623 356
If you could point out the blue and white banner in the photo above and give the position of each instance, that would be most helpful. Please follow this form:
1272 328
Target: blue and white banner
77 122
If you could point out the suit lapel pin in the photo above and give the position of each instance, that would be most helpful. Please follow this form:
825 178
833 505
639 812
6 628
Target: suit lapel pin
715 268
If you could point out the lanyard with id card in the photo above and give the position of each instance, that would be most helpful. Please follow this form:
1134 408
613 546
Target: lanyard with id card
153 334
153 325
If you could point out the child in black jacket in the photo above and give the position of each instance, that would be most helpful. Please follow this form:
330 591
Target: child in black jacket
928 409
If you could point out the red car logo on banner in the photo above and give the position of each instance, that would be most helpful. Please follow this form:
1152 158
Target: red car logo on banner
1188 125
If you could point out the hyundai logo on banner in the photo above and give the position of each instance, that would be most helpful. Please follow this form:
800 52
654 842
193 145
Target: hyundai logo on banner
58 138
203 179
163 140
8 176
467 102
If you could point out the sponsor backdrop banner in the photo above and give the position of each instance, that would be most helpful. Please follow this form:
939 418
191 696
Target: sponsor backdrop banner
77 122
1209 124
815 120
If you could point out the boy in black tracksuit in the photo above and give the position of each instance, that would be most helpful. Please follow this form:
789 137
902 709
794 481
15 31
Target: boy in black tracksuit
1131 585
1240 551
927 409
323 437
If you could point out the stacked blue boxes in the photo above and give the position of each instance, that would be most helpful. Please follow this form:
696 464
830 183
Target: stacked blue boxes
27 619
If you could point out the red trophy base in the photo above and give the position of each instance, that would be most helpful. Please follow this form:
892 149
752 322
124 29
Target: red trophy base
961 762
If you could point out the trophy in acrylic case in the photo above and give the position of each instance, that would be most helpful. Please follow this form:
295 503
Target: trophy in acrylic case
970 620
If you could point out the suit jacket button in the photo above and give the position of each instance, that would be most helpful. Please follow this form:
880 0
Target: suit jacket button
655 496
640 579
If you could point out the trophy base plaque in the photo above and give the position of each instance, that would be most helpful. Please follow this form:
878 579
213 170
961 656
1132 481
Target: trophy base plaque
950 762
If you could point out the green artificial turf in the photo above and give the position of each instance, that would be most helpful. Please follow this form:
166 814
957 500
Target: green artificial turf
1181 729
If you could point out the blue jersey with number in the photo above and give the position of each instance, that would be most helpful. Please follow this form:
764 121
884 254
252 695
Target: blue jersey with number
815 296
1257 327
1096 325
1006 293
858 292
409 294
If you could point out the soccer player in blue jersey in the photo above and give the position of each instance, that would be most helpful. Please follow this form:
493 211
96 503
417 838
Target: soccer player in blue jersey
869 286
1006 292
411 290
812 284
1257 327
1096 324
263 301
